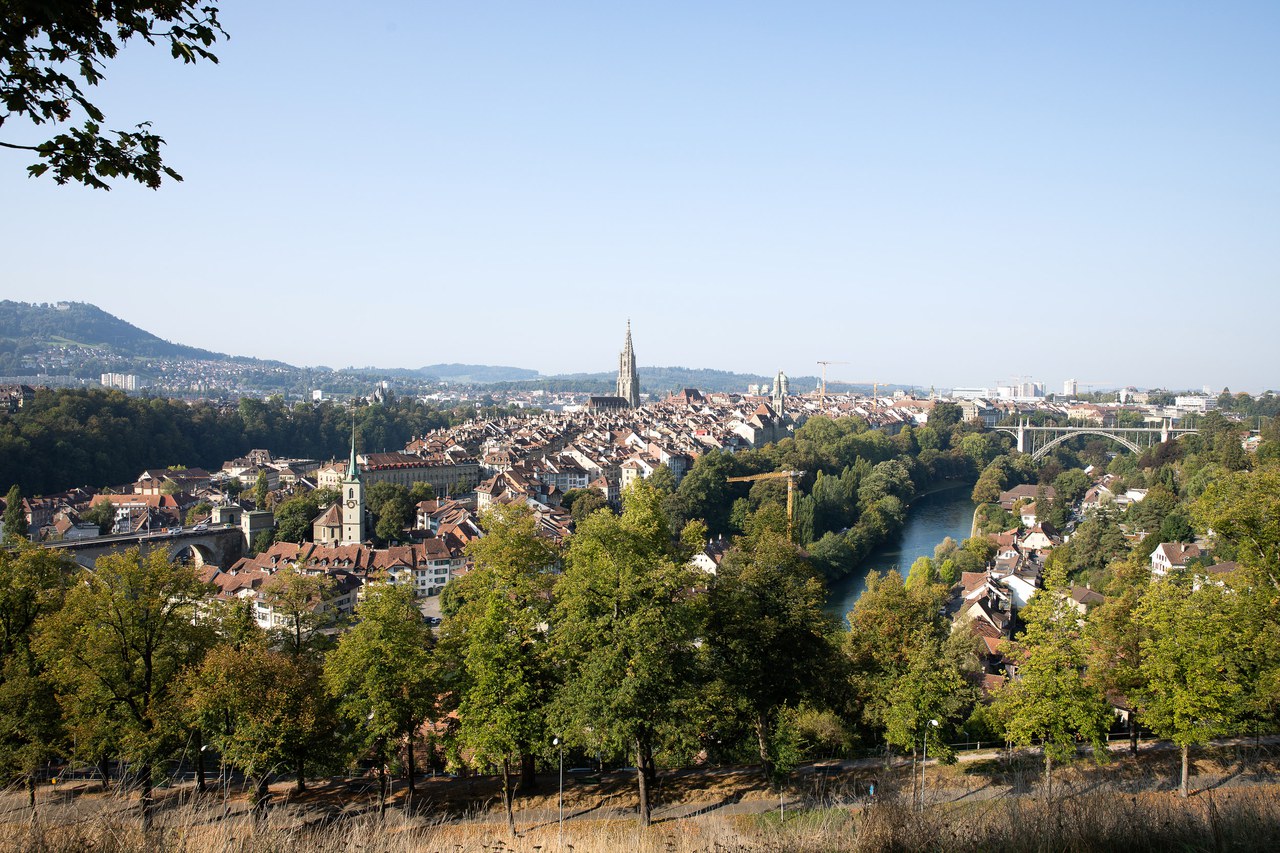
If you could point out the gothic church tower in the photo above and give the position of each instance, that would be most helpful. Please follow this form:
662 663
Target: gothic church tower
352 499
628 377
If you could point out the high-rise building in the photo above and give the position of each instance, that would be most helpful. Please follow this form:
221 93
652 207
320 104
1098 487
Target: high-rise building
628 377
1069 388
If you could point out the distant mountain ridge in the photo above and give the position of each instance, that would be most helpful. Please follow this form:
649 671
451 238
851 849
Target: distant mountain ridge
25 325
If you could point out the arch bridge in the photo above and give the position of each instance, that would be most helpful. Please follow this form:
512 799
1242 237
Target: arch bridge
1039 440
216 546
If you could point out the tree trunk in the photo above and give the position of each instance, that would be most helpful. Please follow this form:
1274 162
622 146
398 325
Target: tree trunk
31 794
1048 771
104 770
382 788
411 771
508 796
301 769
650 770
261 797
1133 732
200 780
762 741
1185 789
528 771
643 781
147 788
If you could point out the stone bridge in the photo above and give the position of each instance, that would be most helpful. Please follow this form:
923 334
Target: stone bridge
214 546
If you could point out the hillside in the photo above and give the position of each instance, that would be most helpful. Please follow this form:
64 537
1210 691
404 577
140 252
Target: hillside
82 324
478 374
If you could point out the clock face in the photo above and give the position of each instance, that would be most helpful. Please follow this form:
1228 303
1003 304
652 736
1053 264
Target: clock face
351 504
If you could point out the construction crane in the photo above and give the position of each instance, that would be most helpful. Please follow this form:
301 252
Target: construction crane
822 397
774 475
875 386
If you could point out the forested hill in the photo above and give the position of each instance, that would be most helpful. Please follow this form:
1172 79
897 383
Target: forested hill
657 381
476 373
79 323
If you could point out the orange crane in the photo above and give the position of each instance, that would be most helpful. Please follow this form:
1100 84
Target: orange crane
774 475
822 397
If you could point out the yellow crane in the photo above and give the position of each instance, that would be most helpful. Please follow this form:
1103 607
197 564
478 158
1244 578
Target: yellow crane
875 386
822 397
774 475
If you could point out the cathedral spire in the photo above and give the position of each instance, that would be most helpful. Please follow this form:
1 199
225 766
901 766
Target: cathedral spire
628 376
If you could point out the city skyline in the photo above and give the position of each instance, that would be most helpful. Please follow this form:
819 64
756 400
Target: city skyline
936 195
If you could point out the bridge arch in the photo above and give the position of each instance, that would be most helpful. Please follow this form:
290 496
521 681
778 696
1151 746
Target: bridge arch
193 553
1042 451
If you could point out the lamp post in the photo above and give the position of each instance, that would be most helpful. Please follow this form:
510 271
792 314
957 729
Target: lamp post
924 760
556 742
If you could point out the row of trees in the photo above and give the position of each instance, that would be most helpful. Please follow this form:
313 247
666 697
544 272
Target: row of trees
616 647
67 438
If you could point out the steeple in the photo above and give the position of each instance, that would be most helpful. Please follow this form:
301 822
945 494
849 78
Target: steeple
353 470
628 377
352 498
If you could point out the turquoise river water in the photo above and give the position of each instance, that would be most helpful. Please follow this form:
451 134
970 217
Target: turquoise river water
930 519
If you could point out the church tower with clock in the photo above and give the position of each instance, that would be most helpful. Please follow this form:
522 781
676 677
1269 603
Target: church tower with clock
352 500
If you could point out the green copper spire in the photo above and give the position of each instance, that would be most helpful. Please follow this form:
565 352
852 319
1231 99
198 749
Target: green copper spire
353 470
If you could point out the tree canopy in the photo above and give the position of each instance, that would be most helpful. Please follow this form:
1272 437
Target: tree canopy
52 52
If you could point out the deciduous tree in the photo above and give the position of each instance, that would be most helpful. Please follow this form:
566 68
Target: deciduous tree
766 597
383 676
1192 691
499 636
32 584
624 627
117 646
51 52
1050 701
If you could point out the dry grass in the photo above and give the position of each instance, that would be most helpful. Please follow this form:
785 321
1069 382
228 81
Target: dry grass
980 806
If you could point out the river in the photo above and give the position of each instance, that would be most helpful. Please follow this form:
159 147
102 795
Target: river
930 519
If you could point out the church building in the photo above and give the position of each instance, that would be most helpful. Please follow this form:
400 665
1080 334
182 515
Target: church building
628 387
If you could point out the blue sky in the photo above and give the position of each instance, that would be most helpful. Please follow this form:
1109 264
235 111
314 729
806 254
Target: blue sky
937 193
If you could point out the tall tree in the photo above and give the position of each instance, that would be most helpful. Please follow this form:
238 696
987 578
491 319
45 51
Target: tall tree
299 598
499 638
33 582
117 646
924 705
766 597
1192 691
384 678
260 708
1243 511
624 628
1050 700
15 519
888 625
261 488
1114 639
51 52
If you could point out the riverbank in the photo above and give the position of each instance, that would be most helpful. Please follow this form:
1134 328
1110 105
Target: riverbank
941 511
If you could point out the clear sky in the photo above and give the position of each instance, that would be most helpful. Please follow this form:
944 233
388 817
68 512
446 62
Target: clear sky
938 193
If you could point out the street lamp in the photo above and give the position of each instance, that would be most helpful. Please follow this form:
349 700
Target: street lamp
557 742
924 761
